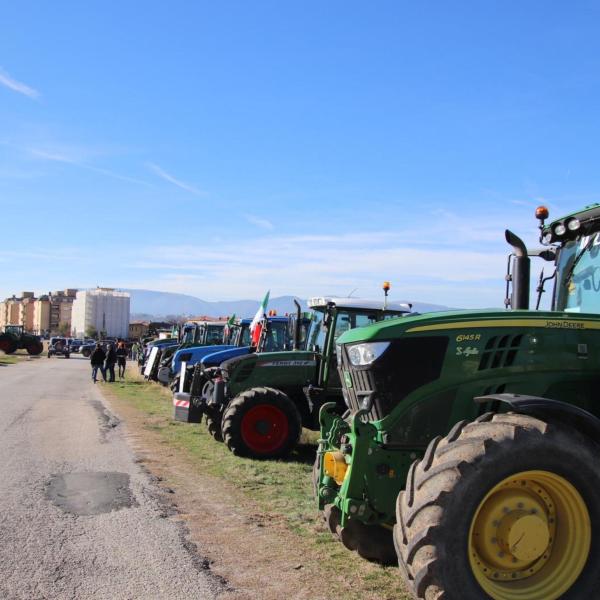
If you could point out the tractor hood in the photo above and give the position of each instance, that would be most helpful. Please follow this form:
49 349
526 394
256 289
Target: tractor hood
216 358
194 354
467 320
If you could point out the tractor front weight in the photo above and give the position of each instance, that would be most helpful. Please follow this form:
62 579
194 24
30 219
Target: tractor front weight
356 472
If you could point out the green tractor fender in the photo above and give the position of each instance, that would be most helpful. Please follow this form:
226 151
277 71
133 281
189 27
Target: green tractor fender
546 409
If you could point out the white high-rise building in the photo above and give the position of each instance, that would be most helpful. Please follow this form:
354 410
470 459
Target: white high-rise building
104 309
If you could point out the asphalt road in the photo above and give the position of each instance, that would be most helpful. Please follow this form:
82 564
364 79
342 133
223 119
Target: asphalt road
78 517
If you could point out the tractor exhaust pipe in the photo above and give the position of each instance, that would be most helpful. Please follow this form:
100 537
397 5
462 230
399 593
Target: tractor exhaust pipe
297 328
520 272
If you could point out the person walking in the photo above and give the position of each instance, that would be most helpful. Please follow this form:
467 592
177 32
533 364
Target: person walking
109 363
121 359
97 361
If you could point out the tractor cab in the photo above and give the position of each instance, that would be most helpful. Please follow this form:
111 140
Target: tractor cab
575 242
237 333
333 317
202 332
16 330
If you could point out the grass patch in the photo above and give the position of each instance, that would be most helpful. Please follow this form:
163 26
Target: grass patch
281 488
6 359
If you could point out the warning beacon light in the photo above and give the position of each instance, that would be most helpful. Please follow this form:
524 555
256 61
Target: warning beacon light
541 213
387 286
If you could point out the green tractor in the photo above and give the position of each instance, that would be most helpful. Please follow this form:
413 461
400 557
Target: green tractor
263 400
14 338
470 452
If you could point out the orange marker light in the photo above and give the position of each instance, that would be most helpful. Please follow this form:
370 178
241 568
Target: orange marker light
387 286
541 213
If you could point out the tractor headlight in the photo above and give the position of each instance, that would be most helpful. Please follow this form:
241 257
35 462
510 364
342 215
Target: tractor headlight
361 355
574 224
560 229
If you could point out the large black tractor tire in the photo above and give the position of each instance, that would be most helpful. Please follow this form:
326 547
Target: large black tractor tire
214 423
471 491
261 423
34 348
8 345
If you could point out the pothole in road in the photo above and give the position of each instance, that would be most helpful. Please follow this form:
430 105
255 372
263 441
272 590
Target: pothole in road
90 493
107 420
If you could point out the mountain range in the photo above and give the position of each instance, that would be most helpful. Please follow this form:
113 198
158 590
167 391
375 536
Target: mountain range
150 304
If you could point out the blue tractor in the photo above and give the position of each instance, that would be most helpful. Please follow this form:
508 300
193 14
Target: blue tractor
194 335
191 334
236 340
278 334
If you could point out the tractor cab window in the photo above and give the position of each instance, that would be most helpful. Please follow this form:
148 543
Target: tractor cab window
240 336
318 333
214 334
276 336
578 276
230 333
352 320
245 335
305 329
188 335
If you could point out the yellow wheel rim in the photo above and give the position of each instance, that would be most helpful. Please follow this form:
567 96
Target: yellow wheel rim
530 537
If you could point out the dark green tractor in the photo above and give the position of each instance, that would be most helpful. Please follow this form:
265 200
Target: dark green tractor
14 338
263 400
470 451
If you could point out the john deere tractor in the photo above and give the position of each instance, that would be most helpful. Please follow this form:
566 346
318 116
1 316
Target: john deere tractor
15 338
470 450
262 401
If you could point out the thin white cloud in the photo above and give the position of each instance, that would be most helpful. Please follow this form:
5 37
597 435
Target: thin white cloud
63 158
177 182
311 264
260 222
17 86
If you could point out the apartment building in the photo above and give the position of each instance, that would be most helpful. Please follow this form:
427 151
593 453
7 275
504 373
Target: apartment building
18 311
50 313
104 309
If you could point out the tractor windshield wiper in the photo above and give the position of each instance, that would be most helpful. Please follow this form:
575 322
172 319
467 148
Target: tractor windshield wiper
579 256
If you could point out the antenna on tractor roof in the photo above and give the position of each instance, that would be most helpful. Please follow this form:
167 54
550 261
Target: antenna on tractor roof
352 292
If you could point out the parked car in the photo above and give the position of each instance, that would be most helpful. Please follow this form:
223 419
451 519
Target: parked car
75 344
87 348
59 347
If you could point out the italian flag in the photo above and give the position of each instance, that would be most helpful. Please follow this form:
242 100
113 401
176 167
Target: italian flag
255 326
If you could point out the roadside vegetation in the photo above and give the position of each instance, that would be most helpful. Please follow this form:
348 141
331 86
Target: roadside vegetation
281 489
17 356
6 359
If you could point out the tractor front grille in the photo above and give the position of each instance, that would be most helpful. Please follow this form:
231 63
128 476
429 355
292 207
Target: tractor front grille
407 364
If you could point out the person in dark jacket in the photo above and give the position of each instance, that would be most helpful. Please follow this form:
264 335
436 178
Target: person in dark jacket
121 359
97 361
109 363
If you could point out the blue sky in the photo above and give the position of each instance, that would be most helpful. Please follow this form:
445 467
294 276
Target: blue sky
222 148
